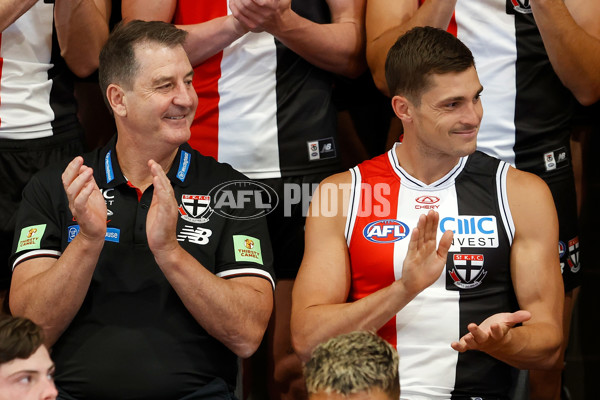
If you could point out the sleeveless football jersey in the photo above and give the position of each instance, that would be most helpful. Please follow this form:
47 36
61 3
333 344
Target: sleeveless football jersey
527 110
36 92
262 108
385 205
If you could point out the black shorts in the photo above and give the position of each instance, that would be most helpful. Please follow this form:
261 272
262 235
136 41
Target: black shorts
562 186
286 222
19 161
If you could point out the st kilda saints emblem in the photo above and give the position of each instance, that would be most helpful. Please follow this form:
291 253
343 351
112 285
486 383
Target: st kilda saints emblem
195 208
467 272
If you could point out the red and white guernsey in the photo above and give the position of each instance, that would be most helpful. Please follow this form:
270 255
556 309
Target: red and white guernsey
36 93
385 205
262 108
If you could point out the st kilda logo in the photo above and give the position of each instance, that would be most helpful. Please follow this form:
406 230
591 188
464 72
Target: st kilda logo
521 6
195 208
467 271
427 203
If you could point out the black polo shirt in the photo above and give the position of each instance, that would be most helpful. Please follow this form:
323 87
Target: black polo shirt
133 337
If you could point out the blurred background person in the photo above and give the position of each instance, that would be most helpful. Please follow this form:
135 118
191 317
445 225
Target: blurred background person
44 45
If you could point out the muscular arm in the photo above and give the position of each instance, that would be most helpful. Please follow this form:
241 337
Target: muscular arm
386 20
11 10
536 279
49 291
235 311
319 308
204 39
336 47
571 36
82 30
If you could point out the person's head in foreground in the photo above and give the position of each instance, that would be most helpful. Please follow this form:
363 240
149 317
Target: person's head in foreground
26 370
354 366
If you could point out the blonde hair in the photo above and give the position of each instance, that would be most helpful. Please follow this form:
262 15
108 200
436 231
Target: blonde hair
352 363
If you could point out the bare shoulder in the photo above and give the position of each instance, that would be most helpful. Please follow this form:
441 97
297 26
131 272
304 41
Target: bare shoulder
530 200
339 178
526 187
332 197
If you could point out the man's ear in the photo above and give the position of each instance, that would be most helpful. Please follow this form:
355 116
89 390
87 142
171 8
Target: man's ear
116 98
402 108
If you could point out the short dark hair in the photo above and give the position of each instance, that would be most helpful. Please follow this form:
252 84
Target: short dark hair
19 338
351 363
419 53
117 57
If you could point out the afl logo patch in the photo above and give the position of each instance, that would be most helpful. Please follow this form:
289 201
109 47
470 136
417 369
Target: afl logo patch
386 231
562 249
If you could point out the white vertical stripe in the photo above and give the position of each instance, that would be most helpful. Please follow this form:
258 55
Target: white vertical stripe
489 32
507 219
248 123
430 322
353 202
25 87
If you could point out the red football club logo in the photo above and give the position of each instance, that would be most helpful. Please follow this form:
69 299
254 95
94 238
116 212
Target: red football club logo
468 271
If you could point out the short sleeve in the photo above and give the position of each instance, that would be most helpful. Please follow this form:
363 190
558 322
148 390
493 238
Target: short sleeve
245 245
38 228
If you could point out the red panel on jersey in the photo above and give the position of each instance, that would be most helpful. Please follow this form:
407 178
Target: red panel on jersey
205 128
451 26
372 265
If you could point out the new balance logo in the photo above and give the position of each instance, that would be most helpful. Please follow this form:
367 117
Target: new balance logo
195 235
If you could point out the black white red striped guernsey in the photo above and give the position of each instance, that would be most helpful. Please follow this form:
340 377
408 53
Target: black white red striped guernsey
262 108
527 110
36 86
386 203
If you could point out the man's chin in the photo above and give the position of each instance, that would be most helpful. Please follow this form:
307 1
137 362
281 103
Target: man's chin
179 136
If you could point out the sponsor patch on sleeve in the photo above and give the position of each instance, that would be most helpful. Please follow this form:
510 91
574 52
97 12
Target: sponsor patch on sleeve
31 237
247 248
